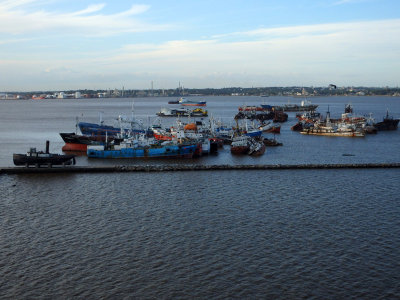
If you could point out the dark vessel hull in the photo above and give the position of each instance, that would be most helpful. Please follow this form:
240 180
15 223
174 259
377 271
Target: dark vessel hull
297 127
387 124
240 150
259 152
102 130
38 160
82 139
76 142
271 142
290 108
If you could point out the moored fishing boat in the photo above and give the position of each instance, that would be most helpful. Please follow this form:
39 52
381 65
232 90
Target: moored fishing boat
270 128
162 134
253 132
343 130
76 142
256 147
280 117
308 116
250 108
271 142
297 127
240 144
247 129
94 129
135 148
388 123
98 129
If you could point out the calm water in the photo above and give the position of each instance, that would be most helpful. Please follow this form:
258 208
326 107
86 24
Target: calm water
330 234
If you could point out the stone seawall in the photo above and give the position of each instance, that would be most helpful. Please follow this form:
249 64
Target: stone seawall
120 168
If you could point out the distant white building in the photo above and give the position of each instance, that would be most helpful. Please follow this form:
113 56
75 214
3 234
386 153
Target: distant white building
61 95
78 95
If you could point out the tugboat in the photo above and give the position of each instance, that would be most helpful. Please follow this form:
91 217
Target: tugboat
39 158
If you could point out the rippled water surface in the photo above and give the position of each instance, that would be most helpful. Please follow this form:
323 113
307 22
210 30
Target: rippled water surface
288 234
332 234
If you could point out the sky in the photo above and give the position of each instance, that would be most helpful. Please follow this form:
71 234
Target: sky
102 44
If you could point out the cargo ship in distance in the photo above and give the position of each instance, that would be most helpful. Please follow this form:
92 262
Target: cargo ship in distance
185 102
305 105
183 112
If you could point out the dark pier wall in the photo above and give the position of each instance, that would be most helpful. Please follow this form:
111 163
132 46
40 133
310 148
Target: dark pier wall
119 168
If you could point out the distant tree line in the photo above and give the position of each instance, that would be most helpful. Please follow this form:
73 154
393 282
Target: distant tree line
331 90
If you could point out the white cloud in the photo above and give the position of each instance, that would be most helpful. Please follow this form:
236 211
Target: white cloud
89 9
345 28
315 52
358 53
18 17
313 41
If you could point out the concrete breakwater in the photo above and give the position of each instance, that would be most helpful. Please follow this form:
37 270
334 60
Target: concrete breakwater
172 168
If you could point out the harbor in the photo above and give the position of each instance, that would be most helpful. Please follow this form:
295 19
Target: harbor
136 198
75 132
171 225
200 150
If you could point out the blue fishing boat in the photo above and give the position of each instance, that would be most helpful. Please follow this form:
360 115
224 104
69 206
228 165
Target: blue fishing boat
249 130
253 132
136 148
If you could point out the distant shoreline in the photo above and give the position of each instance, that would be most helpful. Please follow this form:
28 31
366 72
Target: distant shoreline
293 91
283 96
